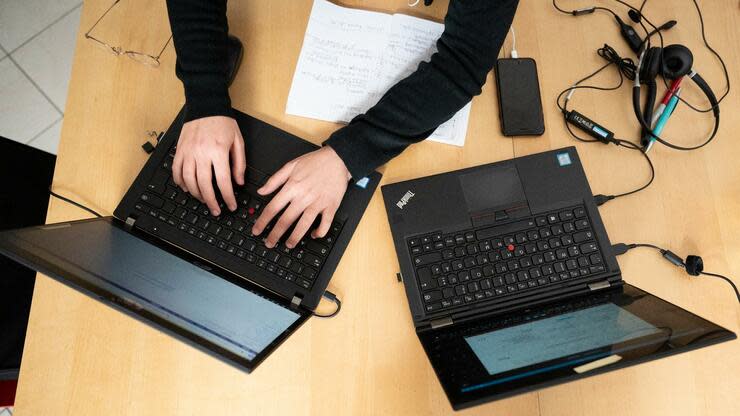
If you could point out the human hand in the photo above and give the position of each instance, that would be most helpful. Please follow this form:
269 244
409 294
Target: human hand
205 146
312 185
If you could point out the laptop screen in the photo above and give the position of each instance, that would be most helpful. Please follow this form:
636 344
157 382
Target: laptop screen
497 356
558 336
152 282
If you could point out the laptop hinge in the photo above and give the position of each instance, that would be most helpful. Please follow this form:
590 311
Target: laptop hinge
599 285
441 322
295 303
130 222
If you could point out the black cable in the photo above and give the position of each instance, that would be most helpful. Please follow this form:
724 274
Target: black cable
726 279
717 55
601 199
332 297
637 245
586 10
642 6
77 204
626 69
621 248
625 66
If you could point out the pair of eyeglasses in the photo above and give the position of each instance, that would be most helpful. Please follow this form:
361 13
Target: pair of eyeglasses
141 57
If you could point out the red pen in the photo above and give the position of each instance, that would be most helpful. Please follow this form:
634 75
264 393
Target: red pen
668 94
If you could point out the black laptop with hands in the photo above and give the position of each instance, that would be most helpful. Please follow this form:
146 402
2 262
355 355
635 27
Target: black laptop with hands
512 284
163 259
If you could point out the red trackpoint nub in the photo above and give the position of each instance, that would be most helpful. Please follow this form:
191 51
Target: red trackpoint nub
510 247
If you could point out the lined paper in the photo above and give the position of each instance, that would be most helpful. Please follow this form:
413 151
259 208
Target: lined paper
351 57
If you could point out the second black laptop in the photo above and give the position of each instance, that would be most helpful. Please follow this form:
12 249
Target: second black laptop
512 283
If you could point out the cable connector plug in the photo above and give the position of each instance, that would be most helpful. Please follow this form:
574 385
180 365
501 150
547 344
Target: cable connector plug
602 199
585 10
673 258
621 248
333 298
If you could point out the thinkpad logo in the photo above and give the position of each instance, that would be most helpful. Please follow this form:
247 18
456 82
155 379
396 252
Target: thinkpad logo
405 199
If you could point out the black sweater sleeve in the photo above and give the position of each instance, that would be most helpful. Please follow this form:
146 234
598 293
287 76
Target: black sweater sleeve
200 31
408 113
412 109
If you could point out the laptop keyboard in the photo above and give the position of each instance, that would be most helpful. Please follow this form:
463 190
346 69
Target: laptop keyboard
231 231
497 261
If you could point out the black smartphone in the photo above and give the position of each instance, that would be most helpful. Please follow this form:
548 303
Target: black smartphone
519 100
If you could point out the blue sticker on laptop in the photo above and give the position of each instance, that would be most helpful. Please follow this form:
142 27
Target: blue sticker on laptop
362 183
564 159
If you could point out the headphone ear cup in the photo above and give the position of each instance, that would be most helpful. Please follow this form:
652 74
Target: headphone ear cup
694 265
676 61
650 65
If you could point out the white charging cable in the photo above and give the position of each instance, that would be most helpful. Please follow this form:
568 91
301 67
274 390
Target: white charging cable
514 54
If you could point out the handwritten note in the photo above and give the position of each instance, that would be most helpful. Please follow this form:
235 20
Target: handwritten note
350 58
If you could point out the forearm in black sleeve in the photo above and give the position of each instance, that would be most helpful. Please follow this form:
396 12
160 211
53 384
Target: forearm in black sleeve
200 31
412 109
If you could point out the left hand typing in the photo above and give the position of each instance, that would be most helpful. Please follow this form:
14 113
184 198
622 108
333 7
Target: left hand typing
312 185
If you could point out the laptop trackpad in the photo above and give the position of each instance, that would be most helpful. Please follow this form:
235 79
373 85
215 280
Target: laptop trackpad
494 193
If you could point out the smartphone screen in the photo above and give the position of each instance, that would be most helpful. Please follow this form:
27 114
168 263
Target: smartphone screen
519 98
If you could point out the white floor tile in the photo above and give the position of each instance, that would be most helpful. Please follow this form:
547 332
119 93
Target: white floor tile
48 141
24 112
47 58
21 19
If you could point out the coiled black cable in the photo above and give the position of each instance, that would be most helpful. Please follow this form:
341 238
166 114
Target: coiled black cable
626 69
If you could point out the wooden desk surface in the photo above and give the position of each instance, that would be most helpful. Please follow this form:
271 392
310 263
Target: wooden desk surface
83 358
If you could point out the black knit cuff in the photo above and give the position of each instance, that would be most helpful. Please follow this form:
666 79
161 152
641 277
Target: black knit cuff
201 103
359 156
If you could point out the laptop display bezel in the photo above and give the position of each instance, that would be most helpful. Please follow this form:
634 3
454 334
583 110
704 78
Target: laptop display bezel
70 275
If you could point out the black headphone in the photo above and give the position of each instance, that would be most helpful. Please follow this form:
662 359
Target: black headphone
671 62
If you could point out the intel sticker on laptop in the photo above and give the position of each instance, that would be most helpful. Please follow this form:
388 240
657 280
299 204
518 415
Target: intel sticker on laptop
362 183
564 159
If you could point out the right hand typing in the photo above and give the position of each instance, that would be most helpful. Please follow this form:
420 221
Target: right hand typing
207 145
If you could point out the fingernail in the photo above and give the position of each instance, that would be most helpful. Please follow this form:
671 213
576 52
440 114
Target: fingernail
233 207
269 244
216 213
290 245
255 231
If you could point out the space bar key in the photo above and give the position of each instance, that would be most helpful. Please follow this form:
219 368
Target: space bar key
500 230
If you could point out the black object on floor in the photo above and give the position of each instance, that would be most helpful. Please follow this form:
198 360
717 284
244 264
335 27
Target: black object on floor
26 174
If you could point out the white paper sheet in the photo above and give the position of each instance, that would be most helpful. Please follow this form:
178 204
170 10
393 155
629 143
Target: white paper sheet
350 58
